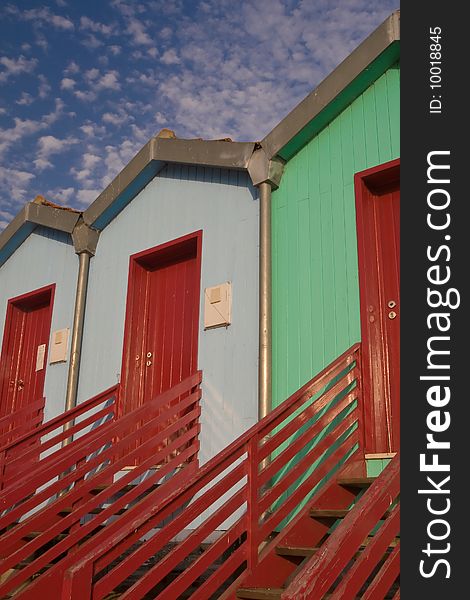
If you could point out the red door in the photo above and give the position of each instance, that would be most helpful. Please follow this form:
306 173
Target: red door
24 350
162 316
378 227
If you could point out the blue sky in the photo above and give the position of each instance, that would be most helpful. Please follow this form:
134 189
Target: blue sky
83 85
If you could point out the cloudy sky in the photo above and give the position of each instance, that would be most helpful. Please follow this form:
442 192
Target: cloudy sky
84 84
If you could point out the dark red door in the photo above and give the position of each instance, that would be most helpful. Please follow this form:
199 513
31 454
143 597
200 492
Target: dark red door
161 332
378 226
24 350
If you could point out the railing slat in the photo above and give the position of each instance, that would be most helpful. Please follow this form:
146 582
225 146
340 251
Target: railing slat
305 462
120 536
310 433
310 482
182 446
322 569
385 578
365 563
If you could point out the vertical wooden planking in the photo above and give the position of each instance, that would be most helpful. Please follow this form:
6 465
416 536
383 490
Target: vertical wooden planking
323 173
292 281
383 120
393 94
370 127
305 288
45 257
181 200
339 249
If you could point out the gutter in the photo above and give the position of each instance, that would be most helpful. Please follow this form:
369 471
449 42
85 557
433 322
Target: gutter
85 240
266 175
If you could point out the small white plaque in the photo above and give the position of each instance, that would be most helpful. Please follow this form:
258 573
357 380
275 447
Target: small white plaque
40 357
59 345
218 306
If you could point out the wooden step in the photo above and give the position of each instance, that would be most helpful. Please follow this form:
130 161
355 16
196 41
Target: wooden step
356 482
337 513
260 593
94 511
329 514
301 551
127 488
34 534
305 552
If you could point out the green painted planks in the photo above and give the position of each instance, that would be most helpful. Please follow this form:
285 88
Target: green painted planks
315 278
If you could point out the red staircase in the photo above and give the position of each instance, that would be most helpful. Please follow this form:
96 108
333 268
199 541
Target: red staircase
285 511
56 498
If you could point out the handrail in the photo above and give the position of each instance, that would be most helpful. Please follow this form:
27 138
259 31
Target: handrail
21 453
336 554
13 424
162 433
229 495
62 419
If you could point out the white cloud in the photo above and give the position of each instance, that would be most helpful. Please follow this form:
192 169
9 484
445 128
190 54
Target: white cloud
166 33
16 66
90 160
115 50
41 16
153 52
86 197
71 68
44 87
109 81
15 183
92 129
41 41
25 99
88 24
67 83
91 74
42 163
170 57
112 118
85 96
91 41
48 145
138 32
65 194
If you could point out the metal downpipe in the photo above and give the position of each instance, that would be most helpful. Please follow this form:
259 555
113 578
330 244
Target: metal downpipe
265 303
77 335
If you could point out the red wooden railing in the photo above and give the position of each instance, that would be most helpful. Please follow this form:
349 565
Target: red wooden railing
18 424
238 498
21 450
340 556
63 499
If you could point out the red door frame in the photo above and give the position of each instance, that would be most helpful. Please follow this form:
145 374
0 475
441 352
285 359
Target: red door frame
376 179
25 301
150 256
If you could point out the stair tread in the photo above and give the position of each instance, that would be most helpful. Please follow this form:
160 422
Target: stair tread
126 488
336 513
93 511
304 551
357 482
295 550
259 593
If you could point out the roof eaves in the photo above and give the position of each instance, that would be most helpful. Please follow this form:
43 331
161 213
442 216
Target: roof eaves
31 216
382 43
151 159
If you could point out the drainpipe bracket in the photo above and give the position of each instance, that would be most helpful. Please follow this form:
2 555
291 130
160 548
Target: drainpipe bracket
85 238
264 170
